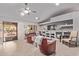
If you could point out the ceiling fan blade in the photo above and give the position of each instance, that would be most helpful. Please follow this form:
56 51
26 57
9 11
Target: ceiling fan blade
21 9
26 3
34 11
28 14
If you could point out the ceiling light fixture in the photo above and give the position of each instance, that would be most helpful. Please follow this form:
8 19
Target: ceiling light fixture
22 14
36 18
26 10
57 4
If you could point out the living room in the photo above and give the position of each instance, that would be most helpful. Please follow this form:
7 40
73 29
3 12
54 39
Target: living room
39 29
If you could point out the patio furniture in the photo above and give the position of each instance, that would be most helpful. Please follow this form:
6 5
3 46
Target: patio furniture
72 40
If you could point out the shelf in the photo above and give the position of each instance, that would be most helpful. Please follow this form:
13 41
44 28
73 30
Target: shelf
67 25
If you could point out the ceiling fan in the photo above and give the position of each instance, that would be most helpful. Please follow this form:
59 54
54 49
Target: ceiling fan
26 10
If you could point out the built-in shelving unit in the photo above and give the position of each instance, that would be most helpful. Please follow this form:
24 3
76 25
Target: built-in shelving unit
58 28
61 25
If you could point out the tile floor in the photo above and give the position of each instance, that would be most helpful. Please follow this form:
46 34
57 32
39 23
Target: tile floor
22 48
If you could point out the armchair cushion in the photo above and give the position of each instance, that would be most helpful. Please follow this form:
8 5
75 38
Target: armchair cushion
66 40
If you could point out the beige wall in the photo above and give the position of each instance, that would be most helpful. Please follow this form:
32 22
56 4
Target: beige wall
21 29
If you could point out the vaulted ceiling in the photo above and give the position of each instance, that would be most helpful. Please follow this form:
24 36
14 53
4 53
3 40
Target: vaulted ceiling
10 11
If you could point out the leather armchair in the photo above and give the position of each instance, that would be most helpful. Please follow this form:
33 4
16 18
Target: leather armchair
29 38
46 48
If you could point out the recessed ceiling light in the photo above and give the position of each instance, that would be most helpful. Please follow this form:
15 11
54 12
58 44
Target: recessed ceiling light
22 14
36 18
26 12
57 4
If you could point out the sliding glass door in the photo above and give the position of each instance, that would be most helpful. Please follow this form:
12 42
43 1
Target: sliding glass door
8 31
1 32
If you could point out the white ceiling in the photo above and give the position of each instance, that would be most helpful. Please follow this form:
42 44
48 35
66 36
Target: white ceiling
11 11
